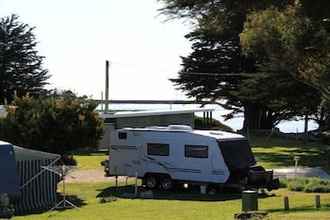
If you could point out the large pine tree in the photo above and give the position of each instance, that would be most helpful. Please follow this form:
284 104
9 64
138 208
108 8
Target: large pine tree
217 68
21 70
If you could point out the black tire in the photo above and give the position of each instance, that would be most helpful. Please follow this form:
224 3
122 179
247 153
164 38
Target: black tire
166 183
151 182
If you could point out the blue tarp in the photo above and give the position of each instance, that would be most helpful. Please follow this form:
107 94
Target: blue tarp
9 180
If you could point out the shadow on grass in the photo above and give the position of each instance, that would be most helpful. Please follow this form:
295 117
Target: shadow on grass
75 200
71 198
311 154
285 158
301 209
90 153
181 194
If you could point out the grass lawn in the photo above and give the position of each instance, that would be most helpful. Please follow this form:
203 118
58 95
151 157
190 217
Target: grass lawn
90 161
145 209
279 152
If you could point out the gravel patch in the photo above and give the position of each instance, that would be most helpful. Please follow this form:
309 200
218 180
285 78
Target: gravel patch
291 172
97 175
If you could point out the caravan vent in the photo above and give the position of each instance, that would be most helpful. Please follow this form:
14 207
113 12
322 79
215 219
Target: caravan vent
180 127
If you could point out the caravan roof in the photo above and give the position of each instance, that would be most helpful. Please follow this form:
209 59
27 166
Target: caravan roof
4 143
220 135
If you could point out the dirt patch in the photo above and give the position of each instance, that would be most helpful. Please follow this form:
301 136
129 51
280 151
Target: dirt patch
96 175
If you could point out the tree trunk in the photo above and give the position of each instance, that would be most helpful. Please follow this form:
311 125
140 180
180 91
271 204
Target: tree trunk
324 120
256 118
306 128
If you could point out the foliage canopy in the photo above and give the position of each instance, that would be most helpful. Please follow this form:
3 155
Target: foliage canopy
232 57
21 70
57 124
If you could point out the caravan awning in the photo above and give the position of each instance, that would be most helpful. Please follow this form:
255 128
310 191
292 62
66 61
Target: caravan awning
9 156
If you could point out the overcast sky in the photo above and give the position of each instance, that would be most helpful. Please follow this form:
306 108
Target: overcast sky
77 36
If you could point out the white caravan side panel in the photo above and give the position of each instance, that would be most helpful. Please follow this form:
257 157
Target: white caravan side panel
179 167
130 155
125 156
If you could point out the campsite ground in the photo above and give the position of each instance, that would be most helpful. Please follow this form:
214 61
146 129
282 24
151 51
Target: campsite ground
223 207
272 153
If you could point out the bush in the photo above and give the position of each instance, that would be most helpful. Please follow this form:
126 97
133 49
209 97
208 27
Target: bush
68 160
297 184
315 185
56 124
283 183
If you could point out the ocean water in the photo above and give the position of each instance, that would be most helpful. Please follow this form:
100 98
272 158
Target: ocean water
235 123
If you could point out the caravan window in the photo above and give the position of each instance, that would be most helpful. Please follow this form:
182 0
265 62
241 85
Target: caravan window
196 151
157 149
122 135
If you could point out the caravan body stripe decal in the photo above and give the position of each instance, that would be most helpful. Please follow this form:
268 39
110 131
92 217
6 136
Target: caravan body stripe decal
123 147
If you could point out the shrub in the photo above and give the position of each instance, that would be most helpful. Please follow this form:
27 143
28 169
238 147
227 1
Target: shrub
316 185
297 184
325 137
56 124
283 183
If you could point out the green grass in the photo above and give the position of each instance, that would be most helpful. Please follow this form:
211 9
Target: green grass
147 209
90 161
279 152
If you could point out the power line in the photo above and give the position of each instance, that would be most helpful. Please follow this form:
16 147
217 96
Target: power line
213 74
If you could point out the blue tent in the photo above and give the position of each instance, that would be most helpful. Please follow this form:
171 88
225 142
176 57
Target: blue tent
25 179
8 170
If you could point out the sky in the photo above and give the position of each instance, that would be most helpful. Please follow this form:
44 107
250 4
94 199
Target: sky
77 36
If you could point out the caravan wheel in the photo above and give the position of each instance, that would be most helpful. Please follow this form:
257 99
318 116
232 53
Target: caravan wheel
151 181
166 183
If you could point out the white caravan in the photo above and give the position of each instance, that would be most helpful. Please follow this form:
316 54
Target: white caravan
162 156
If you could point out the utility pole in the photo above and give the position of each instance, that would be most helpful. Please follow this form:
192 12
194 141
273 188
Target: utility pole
102 100
106 86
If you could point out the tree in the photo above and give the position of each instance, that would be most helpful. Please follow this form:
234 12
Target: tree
217 68
21 70
293 41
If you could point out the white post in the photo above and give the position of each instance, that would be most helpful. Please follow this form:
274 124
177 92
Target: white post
106 86
101 102
296 160
203 189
